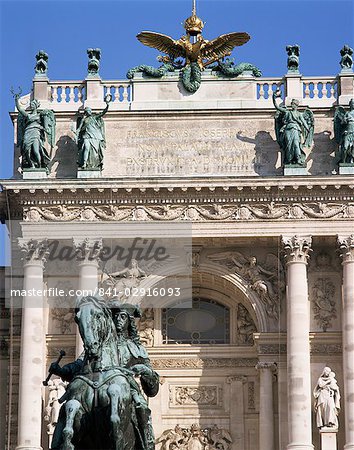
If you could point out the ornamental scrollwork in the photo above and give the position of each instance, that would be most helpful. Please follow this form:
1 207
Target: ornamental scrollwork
195 395
191 212
198 363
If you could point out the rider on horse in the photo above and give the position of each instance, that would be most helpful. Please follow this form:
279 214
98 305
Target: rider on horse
133 360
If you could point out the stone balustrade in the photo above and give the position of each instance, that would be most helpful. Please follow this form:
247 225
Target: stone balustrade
243 92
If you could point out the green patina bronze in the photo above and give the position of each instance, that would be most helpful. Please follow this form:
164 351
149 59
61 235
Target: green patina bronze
344 133
104 408
93 66
293 52
34 128
168 65
228 68
294 131
346 61
91 140
41 67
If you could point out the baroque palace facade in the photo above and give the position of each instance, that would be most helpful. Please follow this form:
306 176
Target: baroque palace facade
271 256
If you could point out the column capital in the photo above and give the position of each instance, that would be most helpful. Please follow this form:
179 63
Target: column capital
34 251
346 247
266 366
297 248
87 249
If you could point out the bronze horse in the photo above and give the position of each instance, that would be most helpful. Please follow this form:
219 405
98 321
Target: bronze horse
99 406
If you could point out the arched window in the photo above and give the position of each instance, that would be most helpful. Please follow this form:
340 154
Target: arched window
200 321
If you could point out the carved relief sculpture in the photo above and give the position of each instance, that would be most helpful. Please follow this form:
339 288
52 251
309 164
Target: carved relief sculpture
195 438
327 400
245 326
324 305
146 327
344 133
266 280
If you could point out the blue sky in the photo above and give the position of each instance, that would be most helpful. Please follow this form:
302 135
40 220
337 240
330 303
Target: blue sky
65 29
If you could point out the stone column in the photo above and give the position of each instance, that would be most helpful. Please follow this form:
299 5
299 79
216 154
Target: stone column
266 410
346 246
237 419
87 253
32 359
297 251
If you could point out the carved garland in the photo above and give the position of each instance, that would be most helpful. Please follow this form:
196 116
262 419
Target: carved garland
217 212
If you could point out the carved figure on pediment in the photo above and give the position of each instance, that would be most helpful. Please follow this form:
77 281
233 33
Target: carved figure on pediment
344 133
219 438
324 305
146 327
327 399
294 131
266 279
245 326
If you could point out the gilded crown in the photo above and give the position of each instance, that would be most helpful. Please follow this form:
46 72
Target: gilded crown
193 25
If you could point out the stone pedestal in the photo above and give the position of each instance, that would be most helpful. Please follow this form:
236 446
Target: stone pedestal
91 173
346 88
34 174
293 169
328 438
346 169
298 343
293 88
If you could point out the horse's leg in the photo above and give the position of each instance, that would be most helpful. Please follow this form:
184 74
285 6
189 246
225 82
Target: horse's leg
71 409
114 392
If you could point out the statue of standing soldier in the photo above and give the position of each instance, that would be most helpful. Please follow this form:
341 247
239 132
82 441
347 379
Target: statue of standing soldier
293 130
91 138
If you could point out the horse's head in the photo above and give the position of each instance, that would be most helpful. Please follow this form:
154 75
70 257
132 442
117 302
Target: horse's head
95 324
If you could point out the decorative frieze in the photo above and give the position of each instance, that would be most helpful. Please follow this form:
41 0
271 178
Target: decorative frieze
198 363
190 212
326 349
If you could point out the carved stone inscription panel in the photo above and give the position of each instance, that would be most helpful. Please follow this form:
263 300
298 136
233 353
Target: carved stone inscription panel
187 146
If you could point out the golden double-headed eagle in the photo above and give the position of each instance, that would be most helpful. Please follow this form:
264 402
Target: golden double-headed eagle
193 47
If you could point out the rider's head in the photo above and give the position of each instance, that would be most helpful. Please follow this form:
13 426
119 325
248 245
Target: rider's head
124 315
351 103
